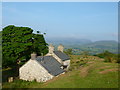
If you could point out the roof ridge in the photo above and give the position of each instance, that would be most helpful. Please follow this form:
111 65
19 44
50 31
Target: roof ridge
62 55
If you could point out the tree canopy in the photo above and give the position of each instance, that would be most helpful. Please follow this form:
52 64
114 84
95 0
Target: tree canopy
19 42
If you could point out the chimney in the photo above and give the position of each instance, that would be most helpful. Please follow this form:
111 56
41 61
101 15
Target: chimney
60 48
33 56
51 48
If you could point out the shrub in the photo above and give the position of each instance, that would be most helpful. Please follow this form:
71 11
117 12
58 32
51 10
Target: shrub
109 57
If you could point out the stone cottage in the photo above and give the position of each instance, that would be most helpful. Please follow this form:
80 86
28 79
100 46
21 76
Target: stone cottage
43 68
59 55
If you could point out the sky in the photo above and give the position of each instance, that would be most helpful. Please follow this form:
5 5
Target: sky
82 20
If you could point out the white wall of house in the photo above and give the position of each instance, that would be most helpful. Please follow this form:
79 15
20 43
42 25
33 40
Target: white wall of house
66 63
33 70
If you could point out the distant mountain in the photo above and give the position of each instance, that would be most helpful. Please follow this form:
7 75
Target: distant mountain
106 44
100 46
68 41
79 45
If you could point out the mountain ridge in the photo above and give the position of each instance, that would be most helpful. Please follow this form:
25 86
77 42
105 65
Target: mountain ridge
79 45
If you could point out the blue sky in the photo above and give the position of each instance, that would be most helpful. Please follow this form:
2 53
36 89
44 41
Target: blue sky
84 20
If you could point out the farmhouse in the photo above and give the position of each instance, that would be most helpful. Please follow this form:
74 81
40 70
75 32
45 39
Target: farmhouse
43 68
59 55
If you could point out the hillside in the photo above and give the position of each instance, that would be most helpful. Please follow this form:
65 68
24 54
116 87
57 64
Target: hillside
103 45
79 45
95 47
100 46
90 72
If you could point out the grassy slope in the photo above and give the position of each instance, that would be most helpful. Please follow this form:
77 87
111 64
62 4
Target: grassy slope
94 74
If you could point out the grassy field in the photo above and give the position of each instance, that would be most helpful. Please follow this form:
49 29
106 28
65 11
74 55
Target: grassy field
85 72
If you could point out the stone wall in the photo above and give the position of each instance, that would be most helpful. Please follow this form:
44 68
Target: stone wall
33 70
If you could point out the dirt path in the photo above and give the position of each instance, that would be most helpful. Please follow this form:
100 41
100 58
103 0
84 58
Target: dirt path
84 70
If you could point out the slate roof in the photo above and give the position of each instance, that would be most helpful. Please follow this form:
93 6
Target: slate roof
50 64
62 55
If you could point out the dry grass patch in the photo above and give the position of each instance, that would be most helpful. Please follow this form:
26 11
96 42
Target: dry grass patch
104 67
109 70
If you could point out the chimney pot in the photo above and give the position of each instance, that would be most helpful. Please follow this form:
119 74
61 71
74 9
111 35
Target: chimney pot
60 48
33 56
51 48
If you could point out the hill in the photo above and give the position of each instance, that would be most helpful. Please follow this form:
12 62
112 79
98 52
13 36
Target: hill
101 46
90 72
80 45
68 41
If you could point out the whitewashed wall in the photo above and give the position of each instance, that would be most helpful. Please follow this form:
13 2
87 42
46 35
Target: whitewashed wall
66 63
32 70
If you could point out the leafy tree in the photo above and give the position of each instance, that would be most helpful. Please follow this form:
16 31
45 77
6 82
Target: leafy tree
104 54
19 42
39 44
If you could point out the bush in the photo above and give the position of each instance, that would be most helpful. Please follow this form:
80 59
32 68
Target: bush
109 57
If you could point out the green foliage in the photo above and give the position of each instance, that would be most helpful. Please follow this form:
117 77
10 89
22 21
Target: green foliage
68 51
109 57
20 84
85 53
19 42
39 44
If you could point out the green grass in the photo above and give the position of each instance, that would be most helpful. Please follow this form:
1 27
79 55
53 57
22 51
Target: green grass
87 76
92 80
20 84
